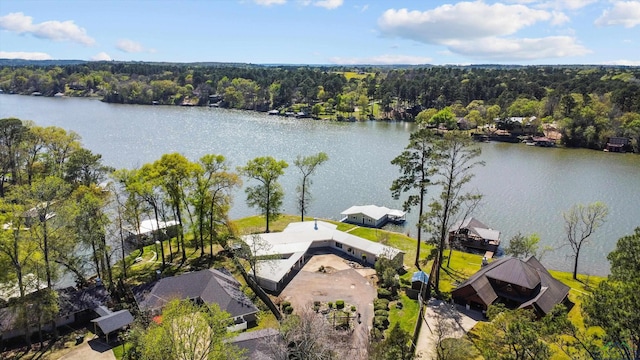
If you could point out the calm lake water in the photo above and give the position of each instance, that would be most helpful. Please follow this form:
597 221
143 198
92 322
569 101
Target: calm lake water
525 188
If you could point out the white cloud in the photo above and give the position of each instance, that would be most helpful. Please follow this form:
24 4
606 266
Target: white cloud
520 49
102 56
626 13
24 55
270 2
52 30
464 20
556 4
482 31
129 46
623 62
382 60
559 18
328 4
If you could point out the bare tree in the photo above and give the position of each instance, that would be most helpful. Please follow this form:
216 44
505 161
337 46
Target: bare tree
579 224
307 335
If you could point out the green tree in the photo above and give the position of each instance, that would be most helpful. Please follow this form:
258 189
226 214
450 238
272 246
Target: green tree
453 159
512 335
12 132
396 346
268 195
613 305
307 166
580 222
444 117
189 331
424 116
86 168
174 171
414 176
521 246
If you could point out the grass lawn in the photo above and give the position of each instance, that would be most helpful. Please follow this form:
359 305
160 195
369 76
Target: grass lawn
459 268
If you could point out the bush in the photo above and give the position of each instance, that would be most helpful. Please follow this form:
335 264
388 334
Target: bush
339 304
288 310
353 308
316 308
285 304
316 303
384 293
381 304
330 305
381 322
381 313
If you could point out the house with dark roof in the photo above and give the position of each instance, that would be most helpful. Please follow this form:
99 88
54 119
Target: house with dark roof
205 287
255 343
517 283
75 307
472 234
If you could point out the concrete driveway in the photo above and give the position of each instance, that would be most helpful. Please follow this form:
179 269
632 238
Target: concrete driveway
455 320
94 349
339 282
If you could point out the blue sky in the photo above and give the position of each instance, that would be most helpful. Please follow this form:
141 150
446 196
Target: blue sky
325 31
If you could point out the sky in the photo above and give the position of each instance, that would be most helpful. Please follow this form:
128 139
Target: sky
325 32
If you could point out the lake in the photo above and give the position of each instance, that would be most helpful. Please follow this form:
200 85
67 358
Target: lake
525 188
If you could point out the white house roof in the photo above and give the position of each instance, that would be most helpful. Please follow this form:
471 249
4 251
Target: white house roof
372 211
296 239
150 225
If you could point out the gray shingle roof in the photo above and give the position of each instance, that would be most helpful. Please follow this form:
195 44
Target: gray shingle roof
114 321
210 286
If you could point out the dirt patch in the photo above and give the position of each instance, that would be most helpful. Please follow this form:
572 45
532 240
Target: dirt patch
329 261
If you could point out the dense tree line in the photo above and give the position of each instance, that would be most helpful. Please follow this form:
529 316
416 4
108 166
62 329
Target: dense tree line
589 103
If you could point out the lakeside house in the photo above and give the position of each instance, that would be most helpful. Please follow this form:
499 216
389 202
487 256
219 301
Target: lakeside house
372 215
617 144
203 287
150 229
286 252
76 306
472 234
517 283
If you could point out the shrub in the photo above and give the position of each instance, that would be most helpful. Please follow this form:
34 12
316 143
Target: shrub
330 305
381 304
285 304
316 308
353 308
339 304
381 322
316 303
381 313
384 293
288 309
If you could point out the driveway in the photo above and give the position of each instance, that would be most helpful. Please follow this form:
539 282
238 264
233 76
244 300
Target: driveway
456 322
94 349
339 282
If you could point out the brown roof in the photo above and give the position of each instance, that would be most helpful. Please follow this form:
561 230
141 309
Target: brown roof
528 273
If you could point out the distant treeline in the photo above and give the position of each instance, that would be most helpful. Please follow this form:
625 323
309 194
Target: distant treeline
588 103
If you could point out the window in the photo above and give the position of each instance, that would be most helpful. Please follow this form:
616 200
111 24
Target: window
338 245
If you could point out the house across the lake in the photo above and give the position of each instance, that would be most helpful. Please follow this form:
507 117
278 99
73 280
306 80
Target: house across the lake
205 286
285 252
517 283
372 215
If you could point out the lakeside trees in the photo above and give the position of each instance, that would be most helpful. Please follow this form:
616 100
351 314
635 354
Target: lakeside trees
414 176
268 195
307 166
579 223
452 161
587 104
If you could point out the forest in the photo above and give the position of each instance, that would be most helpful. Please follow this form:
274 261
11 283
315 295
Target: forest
587 104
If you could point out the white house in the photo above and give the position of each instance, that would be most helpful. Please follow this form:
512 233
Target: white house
289 250
372 215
